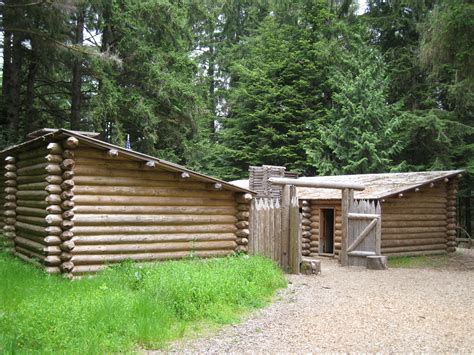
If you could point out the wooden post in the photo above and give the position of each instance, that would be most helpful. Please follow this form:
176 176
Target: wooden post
347 197
294 234
285 231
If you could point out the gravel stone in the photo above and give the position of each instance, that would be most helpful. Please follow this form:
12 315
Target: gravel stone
358 310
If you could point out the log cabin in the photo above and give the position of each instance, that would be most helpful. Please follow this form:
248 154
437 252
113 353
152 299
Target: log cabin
418 209
72 204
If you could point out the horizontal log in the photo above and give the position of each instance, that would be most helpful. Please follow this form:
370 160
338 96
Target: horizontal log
152 247
9 213
67 205
10 167
243 207
66 235
149 201
54 209
70 143
207 228
219 210
67 195
46 241
34 153
37 221
67 184
389 224
68 174
127 219
137 181
402 230
66 225
115 258
242 233
150 191
37 247
38 169
10 198
32 195
52 179
413 217
69 154
10 175
416 205
54 148
150 238
53 189
415 211
109 163
11 183
32 203
69 214
441 246
29 211
67 266
53 219
53 199
68 246
362 216
68 164
65 256
242 224
407 242
418 253
402 235
50 260
35 186
117 171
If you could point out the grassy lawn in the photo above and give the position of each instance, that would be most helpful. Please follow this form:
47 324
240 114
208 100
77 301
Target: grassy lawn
127 307
432 261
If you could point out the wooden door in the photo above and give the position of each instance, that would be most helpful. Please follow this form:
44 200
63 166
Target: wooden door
363 232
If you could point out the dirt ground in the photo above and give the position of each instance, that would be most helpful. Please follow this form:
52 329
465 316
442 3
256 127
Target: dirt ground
426 309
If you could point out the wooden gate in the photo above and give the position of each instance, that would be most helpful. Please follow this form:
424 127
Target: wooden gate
275 229
363 231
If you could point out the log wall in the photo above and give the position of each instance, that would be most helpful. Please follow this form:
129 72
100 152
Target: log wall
305 227
38 212
417 223
316 206
123 209
2 198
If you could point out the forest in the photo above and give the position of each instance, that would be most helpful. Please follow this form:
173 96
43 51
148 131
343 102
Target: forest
323 87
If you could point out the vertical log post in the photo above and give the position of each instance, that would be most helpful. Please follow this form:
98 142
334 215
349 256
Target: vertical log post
285 227
67 205
10 203
243 214
346 201
294 233
451 189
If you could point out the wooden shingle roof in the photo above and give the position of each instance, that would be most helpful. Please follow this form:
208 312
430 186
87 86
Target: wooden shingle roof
86 139
377 186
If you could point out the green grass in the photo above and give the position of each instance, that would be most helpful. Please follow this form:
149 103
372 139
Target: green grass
434 261
127 307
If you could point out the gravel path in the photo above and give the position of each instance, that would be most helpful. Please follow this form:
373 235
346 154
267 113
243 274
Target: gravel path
358 310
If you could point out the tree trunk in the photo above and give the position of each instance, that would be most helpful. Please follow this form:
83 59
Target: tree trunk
30 89
76 92
14 95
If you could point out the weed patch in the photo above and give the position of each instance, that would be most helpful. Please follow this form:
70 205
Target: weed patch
127 307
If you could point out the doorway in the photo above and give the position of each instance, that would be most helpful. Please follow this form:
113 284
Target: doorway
326 231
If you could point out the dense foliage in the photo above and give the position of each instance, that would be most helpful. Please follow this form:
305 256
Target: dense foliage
314 85
126 307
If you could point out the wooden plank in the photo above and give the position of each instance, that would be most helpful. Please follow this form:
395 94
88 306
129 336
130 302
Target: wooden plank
285 231
347 197
294 234
363 234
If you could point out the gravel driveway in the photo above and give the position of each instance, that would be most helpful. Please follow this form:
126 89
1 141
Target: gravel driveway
358 310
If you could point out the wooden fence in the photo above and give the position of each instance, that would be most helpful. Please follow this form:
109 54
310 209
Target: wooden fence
275 229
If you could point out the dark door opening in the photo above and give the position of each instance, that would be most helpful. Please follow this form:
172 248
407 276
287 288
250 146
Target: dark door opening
326 230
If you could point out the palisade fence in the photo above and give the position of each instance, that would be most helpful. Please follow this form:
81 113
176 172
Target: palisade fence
275 229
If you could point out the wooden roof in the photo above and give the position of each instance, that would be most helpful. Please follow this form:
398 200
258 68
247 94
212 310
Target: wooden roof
377 186
56 135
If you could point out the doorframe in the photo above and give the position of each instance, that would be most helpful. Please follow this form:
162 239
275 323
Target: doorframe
321 208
